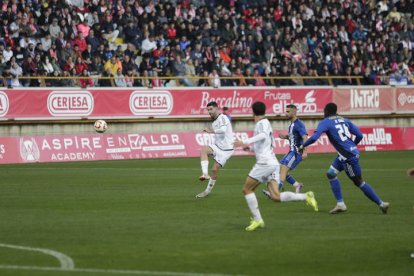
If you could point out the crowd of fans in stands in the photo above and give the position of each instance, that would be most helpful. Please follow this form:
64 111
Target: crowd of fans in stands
226 43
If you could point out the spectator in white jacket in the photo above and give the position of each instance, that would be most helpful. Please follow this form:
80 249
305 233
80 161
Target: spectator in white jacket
148 45
120 79
16 71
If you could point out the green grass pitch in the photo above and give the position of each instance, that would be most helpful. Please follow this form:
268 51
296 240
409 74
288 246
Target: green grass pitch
141 217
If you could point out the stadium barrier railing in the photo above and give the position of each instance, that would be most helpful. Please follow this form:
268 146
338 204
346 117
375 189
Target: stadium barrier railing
172 81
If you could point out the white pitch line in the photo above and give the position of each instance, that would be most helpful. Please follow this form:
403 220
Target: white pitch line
106 271
187 169
65 261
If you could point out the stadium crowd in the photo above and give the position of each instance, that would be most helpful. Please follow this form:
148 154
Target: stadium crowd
246 41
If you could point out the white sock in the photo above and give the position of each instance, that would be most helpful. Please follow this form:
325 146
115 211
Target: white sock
253 206
204 167
210 185
289 196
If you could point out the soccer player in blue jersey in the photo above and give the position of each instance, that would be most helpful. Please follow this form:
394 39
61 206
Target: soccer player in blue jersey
296 135
339 131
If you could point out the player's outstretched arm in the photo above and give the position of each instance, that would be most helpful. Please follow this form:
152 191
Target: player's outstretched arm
222 129
353 129
304 152
322 127
254 139
310 141
283 136
240 144
208 130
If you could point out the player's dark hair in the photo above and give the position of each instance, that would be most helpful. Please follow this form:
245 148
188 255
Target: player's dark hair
330 109
213 104
259 108
292 106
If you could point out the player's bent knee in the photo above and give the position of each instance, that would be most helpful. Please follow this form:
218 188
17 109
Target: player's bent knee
275 198
284 172
331 174
246 191
357 180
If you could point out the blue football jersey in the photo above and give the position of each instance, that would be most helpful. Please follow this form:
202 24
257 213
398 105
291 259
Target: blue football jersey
296 131
339 131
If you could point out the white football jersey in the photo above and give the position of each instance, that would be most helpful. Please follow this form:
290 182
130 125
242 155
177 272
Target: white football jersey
223 130
264 147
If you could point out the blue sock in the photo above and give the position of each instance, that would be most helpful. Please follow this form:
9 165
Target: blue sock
370 193
336 189
290 179
280 185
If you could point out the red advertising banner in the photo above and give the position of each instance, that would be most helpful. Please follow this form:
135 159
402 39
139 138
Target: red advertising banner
68 148
121 103
372 100
405 99
47 104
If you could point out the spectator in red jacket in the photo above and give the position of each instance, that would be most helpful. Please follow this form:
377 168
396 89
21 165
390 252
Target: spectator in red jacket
85 80
81 42
80 65
171 31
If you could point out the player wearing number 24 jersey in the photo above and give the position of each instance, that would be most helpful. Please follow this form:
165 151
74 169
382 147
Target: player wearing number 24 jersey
339 131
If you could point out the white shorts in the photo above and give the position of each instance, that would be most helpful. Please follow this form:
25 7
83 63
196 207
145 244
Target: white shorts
264 173
221 156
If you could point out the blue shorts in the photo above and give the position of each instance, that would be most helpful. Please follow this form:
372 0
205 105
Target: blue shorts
291 159
350 166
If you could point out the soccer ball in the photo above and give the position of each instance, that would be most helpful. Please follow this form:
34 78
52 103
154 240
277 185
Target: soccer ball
100 126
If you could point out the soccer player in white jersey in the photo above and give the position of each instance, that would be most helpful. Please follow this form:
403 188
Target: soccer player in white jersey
221 149
266 169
